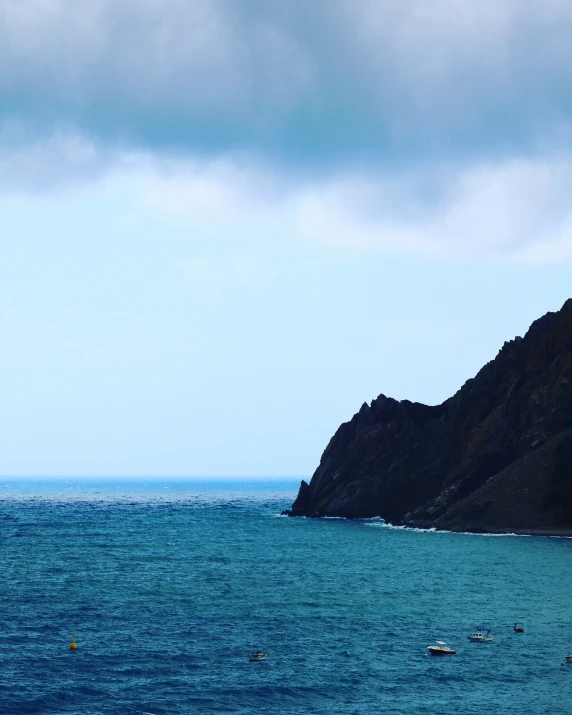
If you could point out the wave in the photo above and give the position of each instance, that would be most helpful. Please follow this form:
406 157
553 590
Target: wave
380 523
433 530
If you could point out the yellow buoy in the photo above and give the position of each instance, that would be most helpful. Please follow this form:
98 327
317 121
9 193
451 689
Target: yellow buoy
73 644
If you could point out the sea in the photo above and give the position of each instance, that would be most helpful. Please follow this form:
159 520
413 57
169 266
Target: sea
169 584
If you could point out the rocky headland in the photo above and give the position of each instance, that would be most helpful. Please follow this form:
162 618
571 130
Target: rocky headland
495 457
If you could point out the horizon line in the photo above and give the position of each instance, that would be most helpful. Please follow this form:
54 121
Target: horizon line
150 476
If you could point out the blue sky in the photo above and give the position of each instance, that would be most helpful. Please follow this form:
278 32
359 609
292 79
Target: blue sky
226 225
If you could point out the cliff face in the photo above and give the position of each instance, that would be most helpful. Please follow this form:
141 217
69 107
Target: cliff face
475 461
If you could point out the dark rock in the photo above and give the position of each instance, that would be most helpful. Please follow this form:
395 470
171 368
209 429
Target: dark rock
300 506
465 464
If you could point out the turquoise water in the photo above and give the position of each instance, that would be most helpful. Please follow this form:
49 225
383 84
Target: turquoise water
169 585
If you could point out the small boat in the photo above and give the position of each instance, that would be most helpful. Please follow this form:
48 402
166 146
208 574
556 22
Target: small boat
441 648
480 637
255 657
518 628
569 658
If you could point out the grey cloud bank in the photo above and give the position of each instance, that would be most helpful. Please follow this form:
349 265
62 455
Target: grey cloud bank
299 83
439 129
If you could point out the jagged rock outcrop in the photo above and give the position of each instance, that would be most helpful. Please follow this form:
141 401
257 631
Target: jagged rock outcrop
495 456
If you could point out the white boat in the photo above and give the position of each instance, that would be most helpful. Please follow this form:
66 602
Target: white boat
254 657
569 658
480 637
441 648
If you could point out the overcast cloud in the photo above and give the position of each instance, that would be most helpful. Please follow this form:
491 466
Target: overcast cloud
343 81
405 125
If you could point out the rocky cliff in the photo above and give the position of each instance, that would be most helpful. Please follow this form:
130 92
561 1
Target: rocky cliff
496 456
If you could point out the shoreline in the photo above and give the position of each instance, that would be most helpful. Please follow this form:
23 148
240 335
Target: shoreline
476 530
559 533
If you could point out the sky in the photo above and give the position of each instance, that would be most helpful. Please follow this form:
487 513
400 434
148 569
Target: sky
226 224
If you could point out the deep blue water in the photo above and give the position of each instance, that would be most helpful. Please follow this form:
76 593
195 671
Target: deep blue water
169 585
